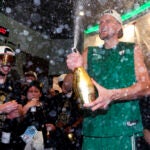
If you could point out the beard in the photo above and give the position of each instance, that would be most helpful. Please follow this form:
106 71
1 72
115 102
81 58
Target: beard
103 36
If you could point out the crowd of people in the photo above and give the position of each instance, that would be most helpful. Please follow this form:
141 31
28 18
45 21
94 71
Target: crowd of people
31 119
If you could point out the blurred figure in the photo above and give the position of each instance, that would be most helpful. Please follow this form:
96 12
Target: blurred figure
147 136
52 92
144 143
10 109
35 118
42 77
65 112
60 80
29 76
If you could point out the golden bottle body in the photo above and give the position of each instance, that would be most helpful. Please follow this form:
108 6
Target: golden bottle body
83 86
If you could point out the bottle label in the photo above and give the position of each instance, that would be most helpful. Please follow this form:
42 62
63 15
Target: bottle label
6 137
29 133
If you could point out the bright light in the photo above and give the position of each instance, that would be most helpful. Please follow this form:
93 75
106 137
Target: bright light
126 36
81 13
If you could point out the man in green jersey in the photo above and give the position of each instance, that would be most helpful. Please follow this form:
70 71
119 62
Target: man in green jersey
120 76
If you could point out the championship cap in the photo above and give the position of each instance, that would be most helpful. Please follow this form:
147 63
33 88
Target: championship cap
113 13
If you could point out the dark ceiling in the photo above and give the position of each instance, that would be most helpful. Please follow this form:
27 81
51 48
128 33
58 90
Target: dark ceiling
50 17
55 18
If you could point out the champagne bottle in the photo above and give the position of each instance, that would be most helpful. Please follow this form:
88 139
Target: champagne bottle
33 113
47 130
83 86
35 117
47 137
6 134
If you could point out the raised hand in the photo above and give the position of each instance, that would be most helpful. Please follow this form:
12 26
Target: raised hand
8 106
18 112
74 60
31 103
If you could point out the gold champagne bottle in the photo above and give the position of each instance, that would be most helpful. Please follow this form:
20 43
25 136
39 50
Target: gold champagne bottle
83 86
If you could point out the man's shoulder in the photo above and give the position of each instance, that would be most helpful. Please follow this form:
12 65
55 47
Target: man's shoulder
127 43
95 46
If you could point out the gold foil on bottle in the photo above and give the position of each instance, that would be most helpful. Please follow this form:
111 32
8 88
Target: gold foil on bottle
83 86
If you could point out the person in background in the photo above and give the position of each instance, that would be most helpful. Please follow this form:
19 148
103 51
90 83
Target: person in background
35 117
145 112
147 136
43 78
60 81
10 107
52 92
120 77
29 76
67 116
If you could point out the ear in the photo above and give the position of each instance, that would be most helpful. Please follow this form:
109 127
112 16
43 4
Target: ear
119 27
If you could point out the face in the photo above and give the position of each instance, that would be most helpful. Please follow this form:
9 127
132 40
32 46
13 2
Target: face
29 79
6 62
5 69
67 84
109 27
33 92
66 87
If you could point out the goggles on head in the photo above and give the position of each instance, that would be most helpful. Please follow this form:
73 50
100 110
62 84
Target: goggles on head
7 59
7 56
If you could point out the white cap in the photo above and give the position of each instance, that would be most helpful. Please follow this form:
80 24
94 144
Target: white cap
6 50
31 73
61 77
113 13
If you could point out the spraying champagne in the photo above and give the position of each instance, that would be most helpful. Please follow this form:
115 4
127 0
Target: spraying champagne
82 84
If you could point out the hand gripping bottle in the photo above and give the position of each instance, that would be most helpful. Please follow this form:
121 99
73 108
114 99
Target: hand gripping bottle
83 85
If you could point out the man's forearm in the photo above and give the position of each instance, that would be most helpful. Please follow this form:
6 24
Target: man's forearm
135 91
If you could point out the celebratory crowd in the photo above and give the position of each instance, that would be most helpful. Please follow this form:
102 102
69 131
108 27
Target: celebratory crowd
31 119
